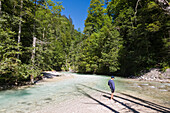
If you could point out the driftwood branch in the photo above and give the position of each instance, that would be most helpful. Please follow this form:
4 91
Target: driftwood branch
42 42
136 9
164 4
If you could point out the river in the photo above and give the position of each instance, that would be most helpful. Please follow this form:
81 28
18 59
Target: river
33 98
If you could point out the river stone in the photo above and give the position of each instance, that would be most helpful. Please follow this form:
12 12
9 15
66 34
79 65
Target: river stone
152 86
163 90
145 84
23 102
167 72
2 110
48 99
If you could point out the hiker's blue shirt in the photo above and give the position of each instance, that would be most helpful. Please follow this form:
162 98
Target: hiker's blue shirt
111 84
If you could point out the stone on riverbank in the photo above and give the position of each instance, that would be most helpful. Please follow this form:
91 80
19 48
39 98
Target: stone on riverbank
156 75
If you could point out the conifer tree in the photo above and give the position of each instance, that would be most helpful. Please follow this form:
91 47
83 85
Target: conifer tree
95 18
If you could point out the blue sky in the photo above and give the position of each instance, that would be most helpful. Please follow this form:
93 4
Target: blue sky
77 9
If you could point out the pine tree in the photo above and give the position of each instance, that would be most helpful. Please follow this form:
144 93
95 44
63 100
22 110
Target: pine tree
95 18
8 50
111 44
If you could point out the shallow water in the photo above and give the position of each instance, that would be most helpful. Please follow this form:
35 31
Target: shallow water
33 98
159 92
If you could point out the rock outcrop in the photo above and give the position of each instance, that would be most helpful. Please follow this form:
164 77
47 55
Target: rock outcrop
156 75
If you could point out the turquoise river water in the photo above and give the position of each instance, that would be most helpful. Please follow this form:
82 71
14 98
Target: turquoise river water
30 99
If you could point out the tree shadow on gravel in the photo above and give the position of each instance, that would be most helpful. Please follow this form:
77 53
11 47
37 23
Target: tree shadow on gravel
87 95
134 111
147 102
150 105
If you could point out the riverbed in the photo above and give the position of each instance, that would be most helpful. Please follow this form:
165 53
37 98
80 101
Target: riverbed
70 90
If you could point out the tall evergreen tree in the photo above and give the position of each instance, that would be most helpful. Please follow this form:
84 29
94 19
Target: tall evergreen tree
95 18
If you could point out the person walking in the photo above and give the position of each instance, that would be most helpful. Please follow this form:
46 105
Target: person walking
112 86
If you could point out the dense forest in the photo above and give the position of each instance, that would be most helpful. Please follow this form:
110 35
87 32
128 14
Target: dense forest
34 37
122 36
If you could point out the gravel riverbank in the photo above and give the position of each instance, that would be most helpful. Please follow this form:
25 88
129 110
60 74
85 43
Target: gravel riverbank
155 75
98 101
94 100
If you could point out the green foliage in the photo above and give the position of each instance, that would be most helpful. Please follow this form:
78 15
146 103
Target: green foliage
135 38
153 27
119 37
95 18
99 52
143 34
54 35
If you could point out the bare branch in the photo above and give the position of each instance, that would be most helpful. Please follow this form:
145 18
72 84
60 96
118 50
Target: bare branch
136 9
164 5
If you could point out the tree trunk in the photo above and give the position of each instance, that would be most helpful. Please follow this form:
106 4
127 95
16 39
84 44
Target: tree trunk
44 33
43 38
33 58
32 79
0 7
136 10
33 51
34 40
19 32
